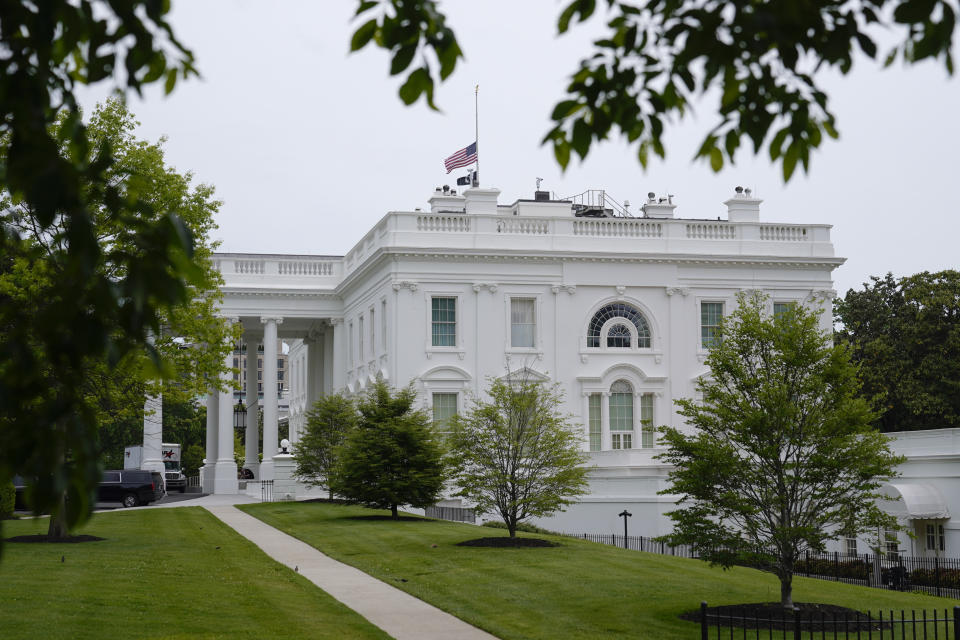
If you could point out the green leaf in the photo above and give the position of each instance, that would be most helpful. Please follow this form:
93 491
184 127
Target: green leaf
561 151
790 159
363 34
716 159
914 11
402 59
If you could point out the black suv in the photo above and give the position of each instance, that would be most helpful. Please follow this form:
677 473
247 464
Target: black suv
131 487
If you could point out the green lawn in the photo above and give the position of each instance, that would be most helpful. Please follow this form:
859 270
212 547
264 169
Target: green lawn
163 573
578 590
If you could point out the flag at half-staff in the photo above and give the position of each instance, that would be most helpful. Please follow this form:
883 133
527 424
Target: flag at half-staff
462 158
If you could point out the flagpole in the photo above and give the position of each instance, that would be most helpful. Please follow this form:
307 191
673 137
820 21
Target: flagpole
476 130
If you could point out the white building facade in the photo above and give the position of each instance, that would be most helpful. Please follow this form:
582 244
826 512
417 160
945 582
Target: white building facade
620 311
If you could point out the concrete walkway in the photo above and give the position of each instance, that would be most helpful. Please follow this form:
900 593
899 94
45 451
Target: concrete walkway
396 612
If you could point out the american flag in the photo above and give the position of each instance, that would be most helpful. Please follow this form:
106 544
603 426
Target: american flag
462 158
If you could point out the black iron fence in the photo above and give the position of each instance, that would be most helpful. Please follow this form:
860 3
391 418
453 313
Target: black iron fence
936 576
455 514
735 622
266 491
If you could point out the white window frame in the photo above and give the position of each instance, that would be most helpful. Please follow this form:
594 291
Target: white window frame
536 322
642 385
443 392
635 347
458 322
724 312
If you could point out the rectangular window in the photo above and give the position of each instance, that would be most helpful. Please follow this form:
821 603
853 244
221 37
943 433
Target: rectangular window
444 317
891 544
236 375
236 363
646 421
780 307
595 421
259 363
931 537
710 315
361 337
280 374
523 322
444 408
260 375
279 363
850 546
621 440
280 388
260 387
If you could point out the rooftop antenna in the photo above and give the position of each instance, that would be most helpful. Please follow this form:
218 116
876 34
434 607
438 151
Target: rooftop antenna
539 180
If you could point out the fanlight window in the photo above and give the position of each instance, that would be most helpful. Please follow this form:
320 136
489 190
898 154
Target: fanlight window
619 334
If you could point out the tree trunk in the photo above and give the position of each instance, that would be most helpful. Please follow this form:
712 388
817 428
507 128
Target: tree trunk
512 527
57 528
329 493
393 512
786 591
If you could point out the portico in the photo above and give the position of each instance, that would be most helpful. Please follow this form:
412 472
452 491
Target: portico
271 298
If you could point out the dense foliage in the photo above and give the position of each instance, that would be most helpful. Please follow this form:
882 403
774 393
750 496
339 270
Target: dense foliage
516 454
392 457
782 456
331 419
904 333
108 390
99 303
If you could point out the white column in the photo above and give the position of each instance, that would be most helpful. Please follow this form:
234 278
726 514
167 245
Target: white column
209 463
606 442
153 434
270 426
339 362
252 400
226 473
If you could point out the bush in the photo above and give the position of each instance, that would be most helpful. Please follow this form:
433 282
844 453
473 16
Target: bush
850 569
949 578
8 495
521 526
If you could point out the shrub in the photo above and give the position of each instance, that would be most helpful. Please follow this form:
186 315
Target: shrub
850 569
949 578
8 495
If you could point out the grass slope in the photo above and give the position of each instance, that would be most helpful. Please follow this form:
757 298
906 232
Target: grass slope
163 573
576 590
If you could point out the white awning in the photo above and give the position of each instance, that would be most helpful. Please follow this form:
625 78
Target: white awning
917 501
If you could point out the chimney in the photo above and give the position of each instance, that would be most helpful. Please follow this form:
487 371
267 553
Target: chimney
743 207
445 200
656 207
481 200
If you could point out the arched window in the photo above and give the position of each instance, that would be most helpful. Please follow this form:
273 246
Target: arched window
619 334
621 415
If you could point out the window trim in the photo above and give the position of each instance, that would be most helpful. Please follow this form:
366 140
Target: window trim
444 392
642 385
459 319
641 309
537 298
724 310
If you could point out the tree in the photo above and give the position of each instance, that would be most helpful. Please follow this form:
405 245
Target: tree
516 454
905 336
331 419
760 61
393 457
87 313
190 342
782 457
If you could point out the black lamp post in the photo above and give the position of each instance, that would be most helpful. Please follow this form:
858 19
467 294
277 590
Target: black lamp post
625 514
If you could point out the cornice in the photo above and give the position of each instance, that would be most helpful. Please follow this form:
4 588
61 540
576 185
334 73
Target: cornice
265 292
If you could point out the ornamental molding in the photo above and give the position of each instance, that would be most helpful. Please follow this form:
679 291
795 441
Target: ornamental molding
620 290
569 288
489 286
683 291
405 284
821 294
266 319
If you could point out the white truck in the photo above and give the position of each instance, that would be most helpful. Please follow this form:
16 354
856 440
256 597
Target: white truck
170 454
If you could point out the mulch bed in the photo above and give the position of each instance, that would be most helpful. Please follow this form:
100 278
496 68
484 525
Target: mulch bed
503 542
45 538
772 615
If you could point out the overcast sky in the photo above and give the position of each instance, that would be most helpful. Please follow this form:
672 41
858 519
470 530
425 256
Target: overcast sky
309 146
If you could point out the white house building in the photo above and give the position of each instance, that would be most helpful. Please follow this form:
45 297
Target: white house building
619 310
